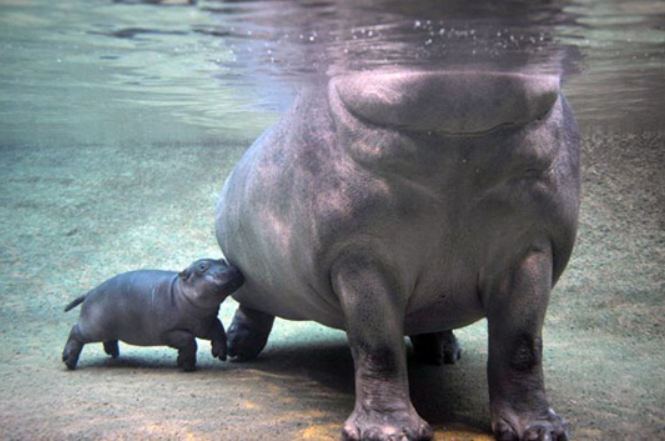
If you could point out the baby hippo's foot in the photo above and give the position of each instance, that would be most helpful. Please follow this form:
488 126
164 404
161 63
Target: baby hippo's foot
187 362
437 348
248 333
510 426
185 343
70 355
219 349
73 348
111 348
370 425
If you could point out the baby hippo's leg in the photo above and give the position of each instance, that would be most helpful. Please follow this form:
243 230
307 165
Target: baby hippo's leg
87 331
185 343
73 347
111 348
217 338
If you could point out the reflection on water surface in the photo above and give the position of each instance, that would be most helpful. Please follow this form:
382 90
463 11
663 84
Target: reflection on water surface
172 69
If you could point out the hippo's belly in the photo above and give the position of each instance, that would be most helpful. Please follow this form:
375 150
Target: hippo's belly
286 250
439 302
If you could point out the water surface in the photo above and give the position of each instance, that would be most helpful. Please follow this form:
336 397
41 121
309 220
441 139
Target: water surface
100 70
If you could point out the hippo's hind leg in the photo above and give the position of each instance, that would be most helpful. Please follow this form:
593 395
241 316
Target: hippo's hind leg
248 333
374 309
516 304
111 348
437 348
73 347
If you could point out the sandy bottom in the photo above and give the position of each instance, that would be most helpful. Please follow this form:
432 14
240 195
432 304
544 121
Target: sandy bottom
74 216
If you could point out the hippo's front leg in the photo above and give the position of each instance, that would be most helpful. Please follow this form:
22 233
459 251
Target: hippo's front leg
185 343
374 307
516 309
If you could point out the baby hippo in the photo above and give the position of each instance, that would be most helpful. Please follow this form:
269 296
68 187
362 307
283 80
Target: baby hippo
150 308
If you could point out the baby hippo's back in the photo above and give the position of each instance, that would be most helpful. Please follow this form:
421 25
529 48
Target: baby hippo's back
130 307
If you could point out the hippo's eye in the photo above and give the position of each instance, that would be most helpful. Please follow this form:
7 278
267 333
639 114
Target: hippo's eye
202 266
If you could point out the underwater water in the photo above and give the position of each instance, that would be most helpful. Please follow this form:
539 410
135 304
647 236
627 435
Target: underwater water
119 121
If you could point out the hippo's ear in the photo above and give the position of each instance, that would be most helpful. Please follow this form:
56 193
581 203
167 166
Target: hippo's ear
184 274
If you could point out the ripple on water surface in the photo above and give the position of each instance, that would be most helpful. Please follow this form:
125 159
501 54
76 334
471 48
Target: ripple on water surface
85 71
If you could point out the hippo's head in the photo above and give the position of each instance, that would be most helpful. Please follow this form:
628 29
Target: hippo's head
207 282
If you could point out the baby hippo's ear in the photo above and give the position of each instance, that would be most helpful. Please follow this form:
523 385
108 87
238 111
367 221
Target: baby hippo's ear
184 274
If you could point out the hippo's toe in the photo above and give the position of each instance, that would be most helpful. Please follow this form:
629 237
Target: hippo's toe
368 425
531 427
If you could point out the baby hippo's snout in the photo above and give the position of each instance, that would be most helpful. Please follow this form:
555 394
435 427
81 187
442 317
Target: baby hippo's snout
227 275
212 277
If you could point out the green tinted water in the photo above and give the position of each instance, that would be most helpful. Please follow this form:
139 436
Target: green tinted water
120 120
65 79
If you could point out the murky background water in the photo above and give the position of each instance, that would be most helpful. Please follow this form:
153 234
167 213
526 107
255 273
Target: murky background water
120 119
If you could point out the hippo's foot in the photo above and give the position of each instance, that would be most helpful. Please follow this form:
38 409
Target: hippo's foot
369 424
111 348
248 333
73 348
437 348
508 425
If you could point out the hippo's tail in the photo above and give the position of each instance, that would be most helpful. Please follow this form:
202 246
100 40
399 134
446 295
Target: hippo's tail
77 301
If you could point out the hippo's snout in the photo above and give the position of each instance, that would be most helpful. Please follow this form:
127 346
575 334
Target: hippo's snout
452 102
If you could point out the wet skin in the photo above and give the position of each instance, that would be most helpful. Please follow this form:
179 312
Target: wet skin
151 308
405 202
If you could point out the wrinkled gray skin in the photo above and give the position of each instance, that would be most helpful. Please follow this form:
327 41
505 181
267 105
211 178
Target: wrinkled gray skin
403 202
151 308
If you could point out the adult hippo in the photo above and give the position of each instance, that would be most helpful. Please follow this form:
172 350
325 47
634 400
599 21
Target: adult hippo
411 202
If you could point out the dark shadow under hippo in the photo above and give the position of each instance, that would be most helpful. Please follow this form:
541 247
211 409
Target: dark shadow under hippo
411 202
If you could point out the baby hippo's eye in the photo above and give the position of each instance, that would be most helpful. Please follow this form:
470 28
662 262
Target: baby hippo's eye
202 267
